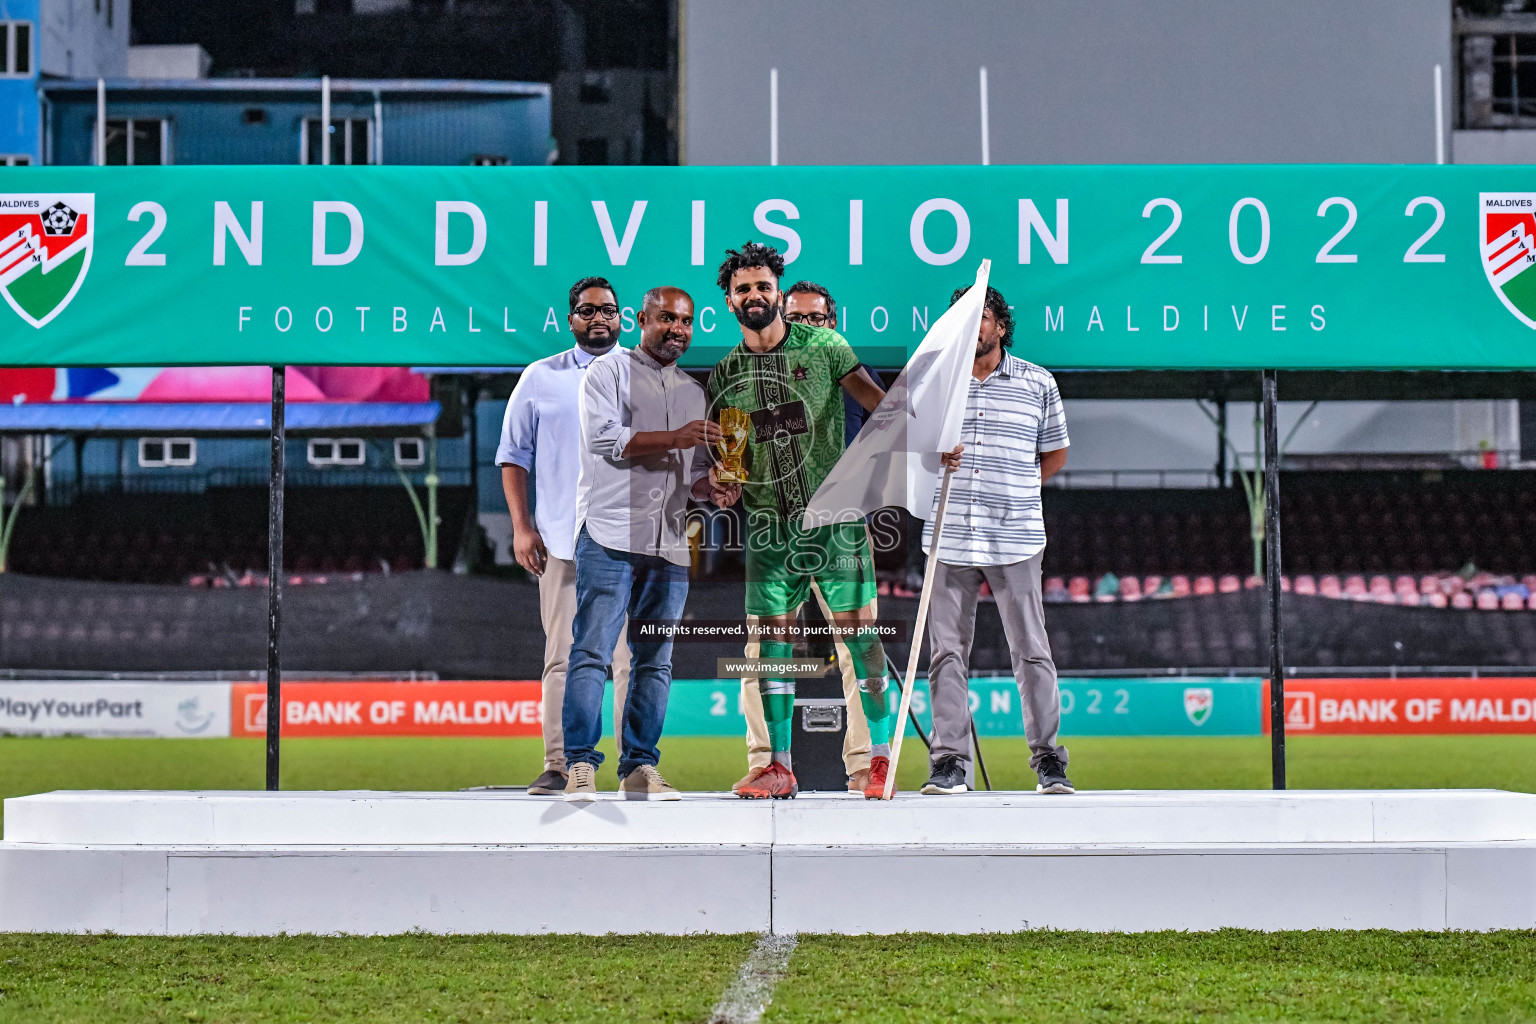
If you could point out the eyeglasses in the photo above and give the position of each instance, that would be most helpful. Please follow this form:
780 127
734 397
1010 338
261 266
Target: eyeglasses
591 312
814 319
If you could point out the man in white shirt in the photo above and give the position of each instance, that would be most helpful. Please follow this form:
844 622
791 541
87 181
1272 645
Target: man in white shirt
1013 439
644 453
541 435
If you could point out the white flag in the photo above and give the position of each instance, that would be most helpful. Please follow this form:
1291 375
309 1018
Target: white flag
895 458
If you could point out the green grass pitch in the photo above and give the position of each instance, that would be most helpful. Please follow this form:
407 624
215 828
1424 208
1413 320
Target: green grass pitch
1044 977
1034 976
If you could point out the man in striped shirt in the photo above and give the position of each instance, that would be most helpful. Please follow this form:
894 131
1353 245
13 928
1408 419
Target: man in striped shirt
1013 440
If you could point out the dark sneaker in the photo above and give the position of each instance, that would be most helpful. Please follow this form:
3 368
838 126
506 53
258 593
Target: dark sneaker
874 789
551 783
1053 776
947 776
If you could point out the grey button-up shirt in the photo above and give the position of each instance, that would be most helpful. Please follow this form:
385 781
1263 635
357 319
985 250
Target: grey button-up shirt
637 505
994 515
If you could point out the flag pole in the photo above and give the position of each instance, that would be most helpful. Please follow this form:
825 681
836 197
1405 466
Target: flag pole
899 729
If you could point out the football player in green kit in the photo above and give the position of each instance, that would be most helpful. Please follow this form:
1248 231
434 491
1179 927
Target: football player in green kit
790 379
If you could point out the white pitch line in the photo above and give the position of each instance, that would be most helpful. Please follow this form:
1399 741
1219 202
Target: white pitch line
749 995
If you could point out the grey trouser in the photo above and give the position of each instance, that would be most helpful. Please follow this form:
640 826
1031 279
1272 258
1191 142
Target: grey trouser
557 607
952 627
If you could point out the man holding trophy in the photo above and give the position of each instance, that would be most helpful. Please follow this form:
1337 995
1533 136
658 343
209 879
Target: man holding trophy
643 455
807 302
784 385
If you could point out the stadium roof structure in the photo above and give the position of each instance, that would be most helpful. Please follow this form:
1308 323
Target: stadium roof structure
225 418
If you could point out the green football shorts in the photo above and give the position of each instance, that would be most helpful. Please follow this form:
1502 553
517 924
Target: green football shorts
783 559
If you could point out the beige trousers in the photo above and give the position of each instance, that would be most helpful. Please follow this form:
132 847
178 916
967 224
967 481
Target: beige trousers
557 607
855 740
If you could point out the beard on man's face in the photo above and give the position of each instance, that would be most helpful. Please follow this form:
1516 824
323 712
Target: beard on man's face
596 335
669 348
756 314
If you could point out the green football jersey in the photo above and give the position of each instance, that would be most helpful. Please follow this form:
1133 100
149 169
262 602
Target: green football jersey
794 397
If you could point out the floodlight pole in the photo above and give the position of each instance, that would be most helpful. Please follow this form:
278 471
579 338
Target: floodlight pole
275 577
1272 579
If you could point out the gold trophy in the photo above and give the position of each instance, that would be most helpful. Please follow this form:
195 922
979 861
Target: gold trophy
734 424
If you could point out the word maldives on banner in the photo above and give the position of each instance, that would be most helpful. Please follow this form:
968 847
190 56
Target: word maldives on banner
1320 266
391 709
1395 706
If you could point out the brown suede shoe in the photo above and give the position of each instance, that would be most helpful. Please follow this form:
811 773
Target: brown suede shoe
858 781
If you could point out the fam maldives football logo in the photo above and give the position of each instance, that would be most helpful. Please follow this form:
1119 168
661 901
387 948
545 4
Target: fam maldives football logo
1199 702
1508 234
45 250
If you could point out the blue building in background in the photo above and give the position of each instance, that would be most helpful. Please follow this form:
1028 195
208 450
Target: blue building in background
278 121
60 58
19 135
66 65
52 39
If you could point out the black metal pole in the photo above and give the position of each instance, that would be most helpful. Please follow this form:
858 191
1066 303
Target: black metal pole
1272 579
275 579
981 762
1221 442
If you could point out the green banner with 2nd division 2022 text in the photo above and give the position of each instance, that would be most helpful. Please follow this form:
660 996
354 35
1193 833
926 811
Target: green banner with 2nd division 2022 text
1317 266
1192 706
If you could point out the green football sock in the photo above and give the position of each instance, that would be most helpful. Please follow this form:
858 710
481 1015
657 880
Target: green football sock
868 654
778 700
778 711
869 663
879 714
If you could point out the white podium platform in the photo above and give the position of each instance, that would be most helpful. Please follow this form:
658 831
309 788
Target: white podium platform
379 863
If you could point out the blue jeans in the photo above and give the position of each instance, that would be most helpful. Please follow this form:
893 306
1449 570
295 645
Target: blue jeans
610 584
